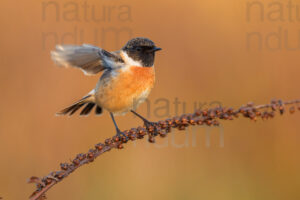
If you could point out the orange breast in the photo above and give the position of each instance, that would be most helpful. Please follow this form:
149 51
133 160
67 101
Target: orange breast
126 90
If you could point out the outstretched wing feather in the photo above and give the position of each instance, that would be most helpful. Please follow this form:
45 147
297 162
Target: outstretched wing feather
90 59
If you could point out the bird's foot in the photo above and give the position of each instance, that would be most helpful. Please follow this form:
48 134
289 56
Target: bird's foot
152 127
121 135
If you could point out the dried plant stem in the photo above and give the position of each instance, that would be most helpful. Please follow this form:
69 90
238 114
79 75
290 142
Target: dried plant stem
208 117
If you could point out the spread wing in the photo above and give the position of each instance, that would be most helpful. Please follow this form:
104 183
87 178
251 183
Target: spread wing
90 59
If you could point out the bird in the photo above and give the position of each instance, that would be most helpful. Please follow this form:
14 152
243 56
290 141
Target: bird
128 76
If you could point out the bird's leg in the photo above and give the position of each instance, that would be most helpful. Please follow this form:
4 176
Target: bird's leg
149 125
119 132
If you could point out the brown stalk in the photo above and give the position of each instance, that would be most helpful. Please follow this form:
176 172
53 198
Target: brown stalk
208 117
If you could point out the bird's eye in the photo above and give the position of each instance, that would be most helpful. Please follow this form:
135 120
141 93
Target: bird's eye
138 48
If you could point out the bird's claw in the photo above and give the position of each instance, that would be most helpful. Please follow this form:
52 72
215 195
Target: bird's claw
152 127
121 135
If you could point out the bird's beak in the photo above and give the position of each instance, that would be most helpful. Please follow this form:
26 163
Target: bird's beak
156 49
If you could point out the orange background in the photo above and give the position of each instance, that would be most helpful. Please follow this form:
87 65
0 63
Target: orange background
205 58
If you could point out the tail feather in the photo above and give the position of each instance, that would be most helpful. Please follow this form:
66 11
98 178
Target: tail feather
77 107
98 110
87 109
87 101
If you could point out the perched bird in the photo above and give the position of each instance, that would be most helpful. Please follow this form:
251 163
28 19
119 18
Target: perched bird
127 79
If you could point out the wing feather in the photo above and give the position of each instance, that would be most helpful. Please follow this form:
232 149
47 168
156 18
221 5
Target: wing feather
90 59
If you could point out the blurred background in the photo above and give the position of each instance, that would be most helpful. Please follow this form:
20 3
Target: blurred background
214 52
